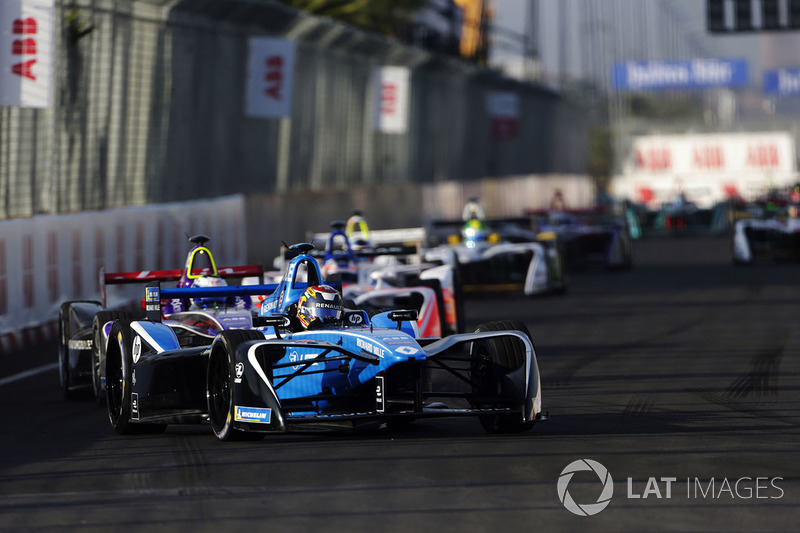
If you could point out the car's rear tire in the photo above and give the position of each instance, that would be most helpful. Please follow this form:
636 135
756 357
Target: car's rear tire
220 384
99 349
119 382
492 359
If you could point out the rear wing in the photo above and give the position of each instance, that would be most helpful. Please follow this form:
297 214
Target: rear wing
591 216
493 224
144 276
510 229
154 293
379 238
400 242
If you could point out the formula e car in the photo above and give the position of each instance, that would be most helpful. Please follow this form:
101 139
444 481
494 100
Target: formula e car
588 237
773 234
498 255
83 325
679 217
356 370
389 275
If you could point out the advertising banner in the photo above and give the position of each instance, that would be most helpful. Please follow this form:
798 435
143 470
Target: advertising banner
391 99
782 82
706 168
270 78
26 52
694 74
710 153
503 108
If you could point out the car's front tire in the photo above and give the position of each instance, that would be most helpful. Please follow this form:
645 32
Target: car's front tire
492 359
99 349
220 384
119 382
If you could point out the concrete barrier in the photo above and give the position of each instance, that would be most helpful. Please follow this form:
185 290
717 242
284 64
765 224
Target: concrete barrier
46 260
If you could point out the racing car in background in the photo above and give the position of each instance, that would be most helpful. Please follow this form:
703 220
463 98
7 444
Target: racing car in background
350 371
497 254
587 236
389 275
768 229
678 217
83 325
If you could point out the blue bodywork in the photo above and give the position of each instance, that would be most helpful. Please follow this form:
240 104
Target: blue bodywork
345 255
289 290
362 368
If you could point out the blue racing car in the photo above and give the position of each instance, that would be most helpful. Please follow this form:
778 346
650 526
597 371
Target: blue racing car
308 360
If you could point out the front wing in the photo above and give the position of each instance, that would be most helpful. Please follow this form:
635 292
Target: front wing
258 407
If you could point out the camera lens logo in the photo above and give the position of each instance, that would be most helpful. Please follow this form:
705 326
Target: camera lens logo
588 509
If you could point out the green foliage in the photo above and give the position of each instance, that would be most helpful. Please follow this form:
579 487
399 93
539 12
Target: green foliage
380 16
601 153
663 107
77 27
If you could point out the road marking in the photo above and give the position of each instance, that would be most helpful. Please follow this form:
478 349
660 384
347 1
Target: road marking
28 373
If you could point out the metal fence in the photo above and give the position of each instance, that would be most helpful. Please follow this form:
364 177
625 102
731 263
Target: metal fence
149 108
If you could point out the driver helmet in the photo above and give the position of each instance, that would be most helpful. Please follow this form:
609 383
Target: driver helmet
209 281
474 232
319 305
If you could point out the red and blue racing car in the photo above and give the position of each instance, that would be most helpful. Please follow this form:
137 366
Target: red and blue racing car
309 360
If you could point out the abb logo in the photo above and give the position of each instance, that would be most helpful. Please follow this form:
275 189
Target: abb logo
389 98
52 263
655 159
708 157
504 127
646 195
274 77
763 156
3 279
27 272
24 47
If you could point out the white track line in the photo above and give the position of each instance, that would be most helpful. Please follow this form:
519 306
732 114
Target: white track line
28 373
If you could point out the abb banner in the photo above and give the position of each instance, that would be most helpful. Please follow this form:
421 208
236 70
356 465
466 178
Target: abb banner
26 52
391 99
713 153
270 78
503 108
706 168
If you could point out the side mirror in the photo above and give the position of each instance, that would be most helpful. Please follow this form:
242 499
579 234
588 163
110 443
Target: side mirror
272 321
403 315
269 321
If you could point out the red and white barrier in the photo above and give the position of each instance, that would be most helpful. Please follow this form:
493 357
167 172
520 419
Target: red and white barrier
46 260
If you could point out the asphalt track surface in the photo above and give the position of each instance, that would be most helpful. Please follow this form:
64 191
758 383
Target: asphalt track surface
685 367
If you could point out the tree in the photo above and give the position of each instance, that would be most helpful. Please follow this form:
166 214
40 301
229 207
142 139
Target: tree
387 17
600 155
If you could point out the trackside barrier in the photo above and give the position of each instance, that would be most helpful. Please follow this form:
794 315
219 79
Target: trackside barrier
46 260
